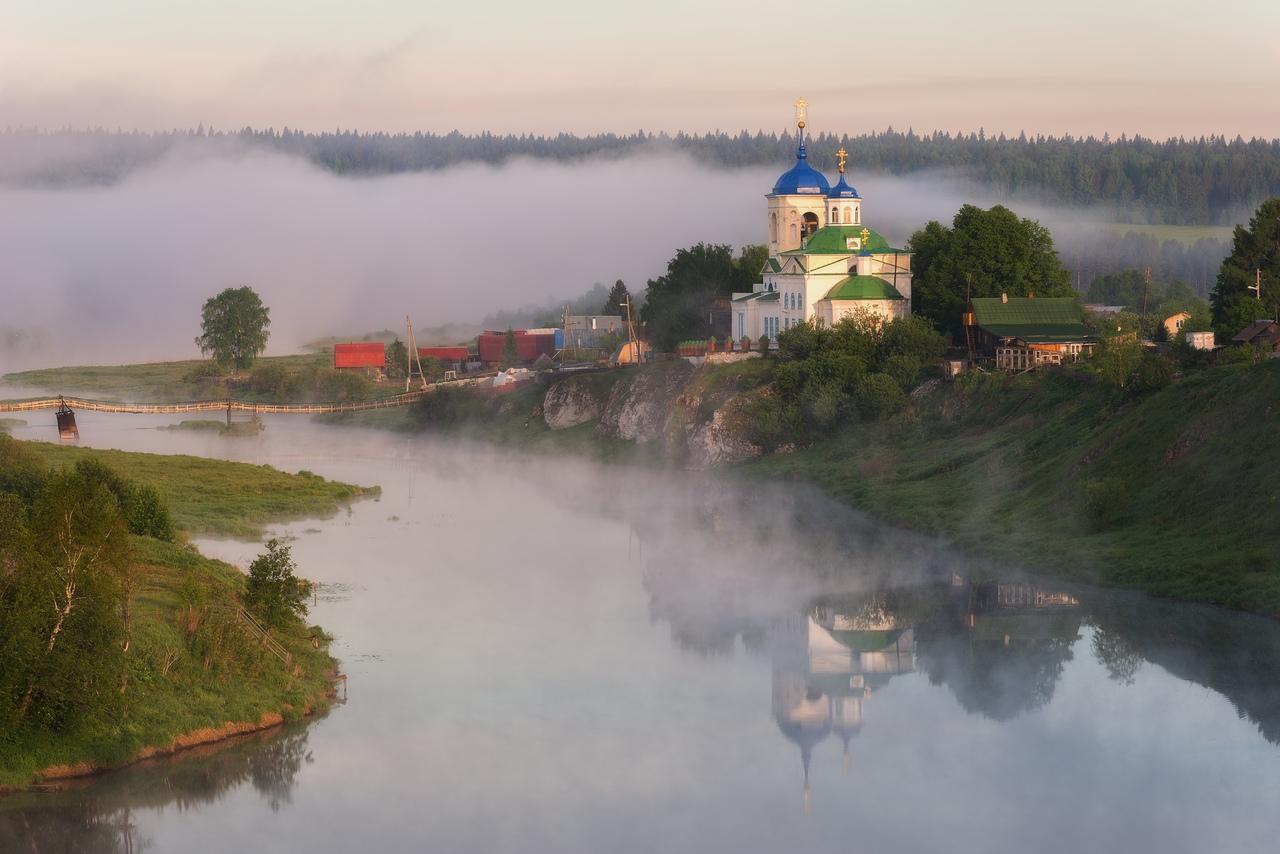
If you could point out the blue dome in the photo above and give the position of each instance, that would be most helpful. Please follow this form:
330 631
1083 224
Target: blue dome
842 190
801 179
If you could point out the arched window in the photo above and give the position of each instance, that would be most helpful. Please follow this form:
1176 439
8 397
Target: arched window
793 232
835 215
848 215
857 215
773 227
810 223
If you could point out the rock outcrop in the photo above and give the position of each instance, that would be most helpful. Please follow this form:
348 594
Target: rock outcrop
641 407
571 402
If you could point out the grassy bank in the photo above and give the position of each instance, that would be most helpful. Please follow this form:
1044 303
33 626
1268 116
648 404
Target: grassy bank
1173 493
215 497
192 670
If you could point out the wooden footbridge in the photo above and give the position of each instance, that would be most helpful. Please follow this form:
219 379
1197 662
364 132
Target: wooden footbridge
230 405
87 405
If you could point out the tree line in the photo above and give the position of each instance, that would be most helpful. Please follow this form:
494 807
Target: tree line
1204 180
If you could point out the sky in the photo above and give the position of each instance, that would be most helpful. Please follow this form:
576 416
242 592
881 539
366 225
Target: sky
1089 67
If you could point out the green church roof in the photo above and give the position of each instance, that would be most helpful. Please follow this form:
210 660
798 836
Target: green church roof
1032 319
864 287
833 240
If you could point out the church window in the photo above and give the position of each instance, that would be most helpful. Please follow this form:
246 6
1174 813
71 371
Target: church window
835 215
773 227
793 232
847 215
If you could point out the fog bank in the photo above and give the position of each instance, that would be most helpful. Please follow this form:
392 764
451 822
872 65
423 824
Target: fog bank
118 273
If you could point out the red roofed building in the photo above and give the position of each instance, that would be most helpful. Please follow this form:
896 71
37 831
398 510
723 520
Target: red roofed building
445 354
364 356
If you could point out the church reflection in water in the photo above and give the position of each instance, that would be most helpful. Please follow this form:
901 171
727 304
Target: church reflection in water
1000 646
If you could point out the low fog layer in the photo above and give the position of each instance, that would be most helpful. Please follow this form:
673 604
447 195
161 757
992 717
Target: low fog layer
116 274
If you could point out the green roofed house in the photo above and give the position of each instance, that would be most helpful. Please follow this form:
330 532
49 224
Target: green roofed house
824 263
1023 333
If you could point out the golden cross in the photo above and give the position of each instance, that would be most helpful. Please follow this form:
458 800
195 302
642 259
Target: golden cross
801 106
865 235
841 156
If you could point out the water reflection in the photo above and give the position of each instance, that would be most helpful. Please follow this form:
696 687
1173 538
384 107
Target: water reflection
98 815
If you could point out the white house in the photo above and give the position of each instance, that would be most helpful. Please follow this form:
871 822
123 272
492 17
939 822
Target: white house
824 262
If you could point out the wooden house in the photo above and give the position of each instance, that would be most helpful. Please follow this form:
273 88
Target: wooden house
368 357
1023 333
1260 333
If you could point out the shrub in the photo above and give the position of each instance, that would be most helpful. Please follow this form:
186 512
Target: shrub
147 513
905 370
770 421
878 395
1105 502
273 591
1240 354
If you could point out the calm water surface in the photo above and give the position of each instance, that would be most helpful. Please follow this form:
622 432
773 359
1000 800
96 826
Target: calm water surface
560 657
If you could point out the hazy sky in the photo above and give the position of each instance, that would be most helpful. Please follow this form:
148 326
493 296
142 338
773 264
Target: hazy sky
1159 68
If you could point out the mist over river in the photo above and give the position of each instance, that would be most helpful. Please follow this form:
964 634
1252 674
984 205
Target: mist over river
551 655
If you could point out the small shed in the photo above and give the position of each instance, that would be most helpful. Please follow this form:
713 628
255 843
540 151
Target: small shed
367 356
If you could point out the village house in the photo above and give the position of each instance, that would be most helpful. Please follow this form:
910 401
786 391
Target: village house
1173 323
1260 333
1023 333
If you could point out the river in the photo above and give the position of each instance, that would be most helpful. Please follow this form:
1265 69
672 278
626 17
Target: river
559 656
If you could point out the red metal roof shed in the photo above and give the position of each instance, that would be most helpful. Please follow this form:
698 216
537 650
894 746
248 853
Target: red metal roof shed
360 355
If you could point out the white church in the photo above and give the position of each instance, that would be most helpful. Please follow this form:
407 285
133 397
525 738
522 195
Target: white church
824 263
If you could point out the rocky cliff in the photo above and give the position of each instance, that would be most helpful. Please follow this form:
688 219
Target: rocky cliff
692 415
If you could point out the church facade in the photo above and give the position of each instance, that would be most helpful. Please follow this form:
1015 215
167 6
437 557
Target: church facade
824 263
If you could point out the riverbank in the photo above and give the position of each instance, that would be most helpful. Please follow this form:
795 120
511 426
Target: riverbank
303 378
1172 492
194 672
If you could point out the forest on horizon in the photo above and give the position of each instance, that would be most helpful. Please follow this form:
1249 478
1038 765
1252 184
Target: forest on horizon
1202 181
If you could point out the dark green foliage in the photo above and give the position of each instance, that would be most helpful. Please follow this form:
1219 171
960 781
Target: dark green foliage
233 327
62 601
1124 364
144 509
312 383
676 303
510 352
616 303
273 592
1255 250
397 359
983 254
859 367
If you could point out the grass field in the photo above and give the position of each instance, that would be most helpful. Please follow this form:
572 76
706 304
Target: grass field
215 497
1181 233
150 382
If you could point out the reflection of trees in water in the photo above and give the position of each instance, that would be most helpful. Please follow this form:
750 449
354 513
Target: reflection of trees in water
1237 655
999 660
98 815
1114 652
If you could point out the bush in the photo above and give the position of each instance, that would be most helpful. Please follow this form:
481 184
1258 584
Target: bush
904 369
273 591
147 513
879 395
1241 354
770 421
1105 502
1151 374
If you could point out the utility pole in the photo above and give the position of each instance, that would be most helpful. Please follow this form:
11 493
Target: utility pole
1146 284
412 356
1256 287
632 345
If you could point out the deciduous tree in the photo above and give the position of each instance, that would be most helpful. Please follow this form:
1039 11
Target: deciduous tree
233 327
